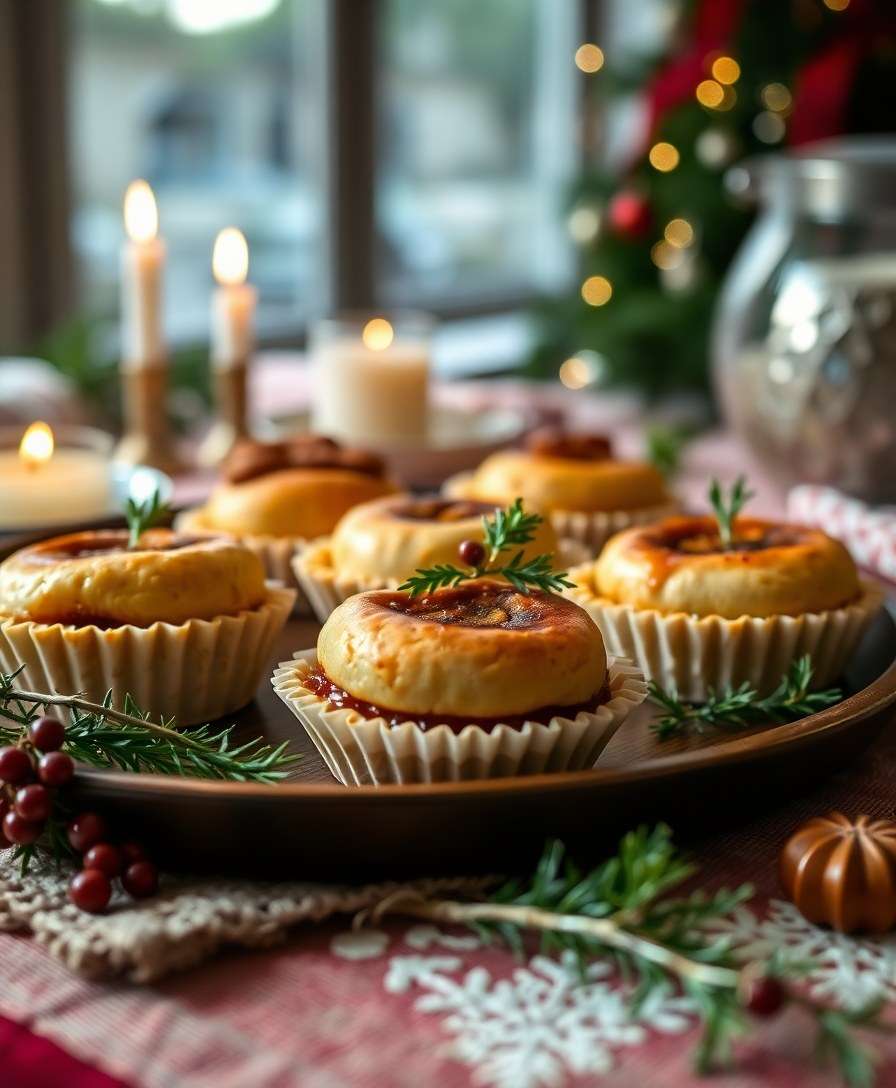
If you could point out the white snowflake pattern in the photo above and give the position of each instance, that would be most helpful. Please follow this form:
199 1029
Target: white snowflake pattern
847 971
542 1023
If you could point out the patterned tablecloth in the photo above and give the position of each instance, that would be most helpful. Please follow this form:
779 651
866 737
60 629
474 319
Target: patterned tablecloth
411 1005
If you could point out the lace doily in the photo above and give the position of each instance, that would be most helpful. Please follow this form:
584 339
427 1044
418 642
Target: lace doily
187 922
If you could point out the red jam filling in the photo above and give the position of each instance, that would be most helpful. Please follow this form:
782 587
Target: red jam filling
338 698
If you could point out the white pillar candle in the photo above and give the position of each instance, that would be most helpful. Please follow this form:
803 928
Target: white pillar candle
142 265
372 388
40 485
233 301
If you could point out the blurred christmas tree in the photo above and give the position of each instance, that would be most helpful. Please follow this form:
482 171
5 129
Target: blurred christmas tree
739 78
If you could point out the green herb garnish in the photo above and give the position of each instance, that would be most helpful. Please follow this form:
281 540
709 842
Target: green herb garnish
141 516
727 507
504 530
740 707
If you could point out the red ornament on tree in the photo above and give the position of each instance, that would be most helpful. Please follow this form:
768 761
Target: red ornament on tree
629 214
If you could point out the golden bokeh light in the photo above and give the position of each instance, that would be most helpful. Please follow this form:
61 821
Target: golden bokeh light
589 58
575 373
583 224
666 256
377 334
679 233
726 70
37 445
775 96
597 290
836 5
710 94
664 157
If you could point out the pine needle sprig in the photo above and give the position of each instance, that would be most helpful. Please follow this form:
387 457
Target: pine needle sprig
622 909
504 530
741 707
727 507
141 516
100 736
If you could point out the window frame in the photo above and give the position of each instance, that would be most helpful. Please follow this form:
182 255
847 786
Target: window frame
37 36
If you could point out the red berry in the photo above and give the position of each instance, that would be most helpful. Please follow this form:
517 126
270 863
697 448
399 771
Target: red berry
47 734
15 766
763 995
131 852
55 769
105 857
90 890
141 880
471 552
20 831
85 831
33 802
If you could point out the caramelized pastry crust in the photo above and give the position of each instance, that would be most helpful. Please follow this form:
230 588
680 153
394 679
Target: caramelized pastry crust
388 539
678 565
93 578
478 650
561 471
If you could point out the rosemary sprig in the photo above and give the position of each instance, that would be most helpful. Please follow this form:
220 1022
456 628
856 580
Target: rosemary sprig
665 446
129 739
141 516
504 530
727 507
623 909
740 707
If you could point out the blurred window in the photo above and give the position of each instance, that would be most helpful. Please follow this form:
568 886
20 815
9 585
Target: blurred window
476 146
216 103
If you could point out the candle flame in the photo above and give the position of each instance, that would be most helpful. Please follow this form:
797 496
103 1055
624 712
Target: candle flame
141 216
377 334
36 447
230 258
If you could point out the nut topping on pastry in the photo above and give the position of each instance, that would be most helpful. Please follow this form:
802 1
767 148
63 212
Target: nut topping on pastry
476 604
251 459
556 442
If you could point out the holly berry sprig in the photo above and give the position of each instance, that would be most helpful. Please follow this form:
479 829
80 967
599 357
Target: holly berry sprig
33 775
504 530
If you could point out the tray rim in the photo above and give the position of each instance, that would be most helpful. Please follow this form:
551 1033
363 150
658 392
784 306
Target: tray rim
871 700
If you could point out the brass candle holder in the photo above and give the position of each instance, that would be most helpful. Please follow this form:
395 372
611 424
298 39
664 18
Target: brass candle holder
230 391
147 436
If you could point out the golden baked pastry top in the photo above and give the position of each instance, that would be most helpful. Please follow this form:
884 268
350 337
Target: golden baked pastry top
479 650
388 539
559 471
299 488
94 578
771 569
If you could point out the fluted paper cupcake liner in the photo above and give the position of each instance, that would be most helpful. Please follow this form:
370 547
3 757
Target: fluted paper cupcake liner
325 590
694 654
275 552
193 672
362 751
590 529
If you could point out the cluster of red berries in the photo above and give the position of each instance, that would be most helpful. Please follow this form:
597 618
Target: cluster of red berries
29 775
103 861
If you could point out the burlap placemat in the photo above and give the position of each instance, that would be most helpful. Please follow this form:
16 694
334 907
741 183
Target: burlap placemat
187 922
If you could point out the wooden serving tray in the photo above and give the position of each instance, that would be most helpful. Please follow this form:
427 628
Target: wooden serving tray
310 826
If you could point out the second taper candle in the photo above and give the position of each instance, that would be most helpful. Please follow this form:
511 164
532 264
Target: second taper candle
233 301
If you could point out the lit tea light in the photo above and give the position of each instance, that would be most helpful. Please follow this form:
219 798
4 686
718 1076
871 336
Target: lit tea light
371 382
44 485
233 302
37 445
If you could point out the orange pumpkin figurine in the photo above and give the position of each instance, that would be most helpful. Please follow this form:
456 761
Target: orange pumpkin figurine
842 873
